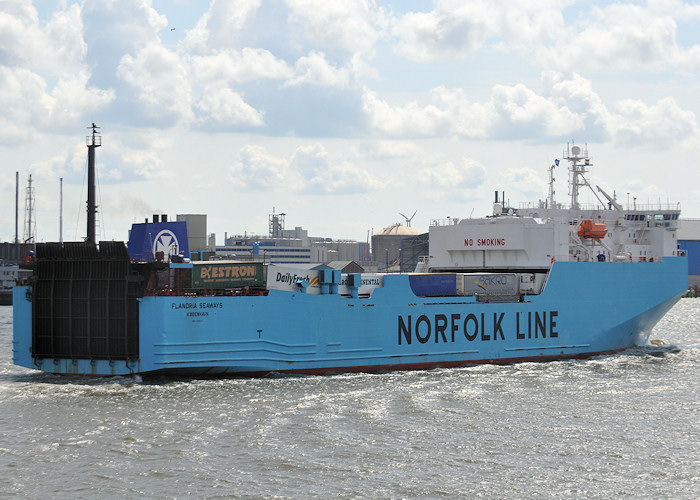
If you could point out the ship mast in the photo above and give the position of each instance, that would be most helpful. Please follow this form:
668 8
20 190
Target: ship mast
550 197
60 214
93 141
579 162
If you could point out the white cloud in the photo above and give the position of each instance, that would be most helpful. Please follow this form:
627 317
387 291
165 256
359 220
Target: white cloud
65 47
343 178
524 180
249 64
351 25
449 176
54 47
301 42
564 107
159 81
27 102
658 125
532 114
452 114
626 37
314 69
224 108
44 81
23 99
258 170
73 98
575 92
320 176
465 118
409 120
308 171
221 25
385 150
456 29
51 168
145 164
617 36
114 28
443 32
628 121
309 160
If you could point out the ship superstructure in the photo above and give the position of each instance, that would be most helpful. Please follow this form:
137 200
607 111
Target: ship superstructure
533 236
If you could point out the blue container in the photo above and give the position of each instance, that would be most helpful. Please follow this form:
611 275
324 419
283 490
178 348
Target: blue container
433 285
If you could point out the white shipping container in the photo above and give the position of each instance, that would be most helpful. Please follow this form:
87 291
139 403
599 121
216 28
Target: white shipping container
285 278
370 281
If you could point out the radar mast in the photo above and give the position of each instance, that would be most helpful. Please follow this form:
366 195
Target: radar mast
579 166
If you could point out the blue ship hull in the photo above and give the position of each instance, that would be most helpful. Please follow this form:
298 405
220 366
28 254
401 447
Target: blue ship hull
585 309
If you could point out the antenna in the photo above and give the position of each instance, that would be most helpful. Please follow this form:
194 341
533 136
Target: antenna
408 219
29 222
16 208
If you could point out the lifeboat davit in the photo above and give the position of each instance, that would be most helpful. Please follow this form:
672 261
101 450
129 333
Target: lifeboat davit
592 230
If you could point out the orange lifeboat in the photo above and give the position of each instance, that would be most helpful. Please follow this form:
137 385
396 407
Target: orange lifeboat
593 230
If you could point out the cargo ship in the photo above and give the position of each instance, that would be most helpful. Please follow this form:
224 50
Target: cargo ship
539 282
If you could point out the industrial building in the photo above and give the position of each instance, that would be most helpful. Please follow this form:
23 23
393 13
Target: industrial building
388 247
287 246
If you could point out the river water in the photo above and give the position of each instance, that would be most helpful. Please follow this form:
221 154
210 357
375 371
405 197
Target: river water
624 426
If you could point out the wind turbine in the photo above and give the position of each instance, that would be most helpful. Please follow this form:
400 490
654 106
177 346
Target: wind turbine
408 220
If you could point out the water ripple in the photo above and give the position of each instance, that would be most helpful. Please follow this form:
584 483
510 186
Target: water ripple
624 425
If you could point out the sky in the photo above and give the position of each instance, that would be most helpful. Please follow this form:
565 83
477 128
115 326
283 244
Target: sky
342 115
